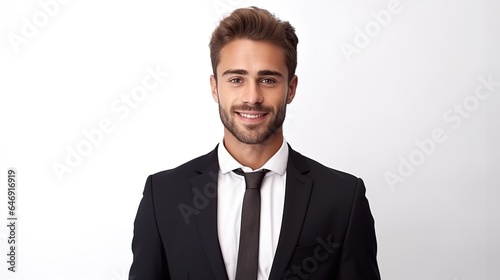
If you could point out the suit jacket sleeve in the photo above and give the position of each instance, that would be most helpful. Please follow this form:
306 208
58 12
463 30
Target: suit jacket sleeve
359 253
149 261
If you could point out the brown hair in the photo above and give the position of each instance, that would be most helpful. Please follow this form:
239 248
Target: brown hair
255 24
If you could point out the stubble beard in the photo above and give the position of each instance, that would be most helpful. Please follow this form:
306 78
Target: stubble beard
252 134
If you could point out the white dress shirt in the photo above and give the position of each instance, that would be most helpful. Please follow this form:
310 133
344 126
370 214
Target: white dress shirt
230 192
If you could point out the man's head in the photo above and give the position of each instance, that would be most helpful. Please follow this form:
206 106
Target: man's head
258 25
254 56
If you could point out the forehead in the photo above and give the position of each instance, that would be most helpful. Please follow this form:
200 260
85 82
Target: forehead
252 56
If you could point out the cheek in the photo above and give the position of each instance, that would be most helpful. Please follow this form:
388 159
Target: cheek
224 102
227 96
279 98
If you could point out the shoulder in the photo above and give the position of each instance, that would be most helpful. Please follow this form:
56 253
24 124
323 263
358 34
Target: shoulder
320 172
330 186
190 168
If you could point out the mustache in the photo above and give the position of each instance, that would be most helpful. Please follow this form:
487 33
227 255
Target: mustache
255 107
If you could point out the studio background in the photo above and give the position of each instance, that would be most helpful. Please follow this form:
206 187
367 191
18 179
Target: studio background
404 94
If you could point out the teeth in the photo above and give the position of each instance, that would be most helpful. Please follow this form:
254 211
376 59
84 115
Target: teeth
248 116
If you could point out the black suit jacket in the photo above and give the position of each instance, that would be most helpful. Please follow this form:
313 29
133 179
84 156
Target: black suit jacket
327 230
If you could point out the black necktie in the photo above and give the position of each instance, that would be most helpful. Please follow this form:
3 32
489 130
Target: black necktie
248 252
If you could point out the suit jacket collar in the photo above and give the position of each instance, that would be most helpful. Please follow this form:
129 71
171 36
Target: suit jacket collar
298 190
204 183
277 163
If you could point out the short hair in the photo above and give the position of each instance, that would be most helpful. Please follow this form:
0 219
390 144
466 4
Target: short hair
255 24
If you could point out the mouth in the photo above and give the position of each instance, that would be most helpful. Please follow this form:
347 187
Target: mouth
251 115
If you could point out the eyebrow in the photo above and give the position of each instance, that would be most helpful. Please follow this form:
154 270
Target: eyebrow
245 72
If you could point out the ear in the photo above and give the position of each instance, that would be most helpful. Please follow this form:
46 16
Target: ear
292 87
213 85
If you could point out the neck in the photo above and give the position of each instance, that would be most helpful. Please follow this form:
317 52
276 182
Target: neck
253 155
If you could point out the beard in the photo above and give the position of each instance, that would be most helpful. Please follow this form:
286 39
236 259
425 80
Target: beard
255 133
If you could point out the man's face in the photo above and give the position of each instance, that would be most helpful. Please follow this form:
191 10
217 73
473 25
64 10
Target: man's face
252 89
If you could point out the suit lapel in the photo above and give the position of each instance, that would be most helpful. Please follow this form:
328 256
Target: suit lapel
298 190
206 183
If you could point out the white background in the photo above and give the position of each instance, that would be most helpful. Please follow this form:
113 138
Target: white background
362 113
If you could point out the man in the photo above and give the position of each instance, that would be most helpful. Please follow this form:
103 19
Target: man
307 221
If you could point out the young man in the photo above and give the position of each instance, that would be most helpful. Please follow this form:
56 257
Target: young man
208 219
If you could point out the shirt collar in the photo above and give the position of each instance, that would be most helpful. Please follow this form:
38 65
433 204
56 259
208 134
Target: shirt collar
277 163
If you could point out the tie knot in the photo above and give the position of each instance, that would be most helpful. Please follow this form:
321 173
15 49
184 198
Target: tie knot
253 180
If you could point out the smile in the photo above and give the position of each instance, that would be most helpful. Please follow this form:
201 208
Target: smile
251 116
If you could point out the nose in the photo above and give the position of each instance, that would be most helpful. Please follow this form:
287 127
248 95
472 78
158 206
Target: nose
252 94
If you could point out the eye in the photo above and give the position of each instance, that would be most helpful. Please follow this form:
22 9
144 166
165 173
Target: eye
235 81
268 81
